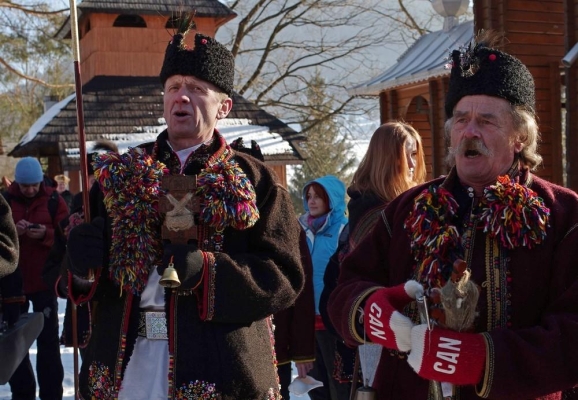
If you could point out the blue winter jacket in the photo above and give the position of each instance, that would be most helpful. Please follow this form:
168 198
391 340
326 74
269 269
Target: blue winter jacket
323 244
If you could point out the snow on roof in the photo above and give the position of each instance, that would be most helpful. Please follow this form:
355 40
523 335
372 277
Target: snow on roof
231 128
269 142
45 119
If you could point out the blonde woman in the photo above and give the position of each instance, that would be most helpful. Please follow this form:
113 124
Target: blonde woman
394 162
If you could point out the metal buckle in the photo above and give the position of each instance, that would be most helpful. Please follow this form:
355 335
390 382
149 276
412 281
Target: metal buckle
155 325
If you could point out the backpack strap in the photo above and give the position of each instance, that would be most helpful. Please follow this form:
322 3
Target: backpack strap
53 205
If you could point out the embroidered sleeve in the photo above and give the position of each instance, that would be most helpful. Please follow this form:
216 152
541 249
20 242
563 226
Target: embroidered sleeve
356 315
206 288
484 388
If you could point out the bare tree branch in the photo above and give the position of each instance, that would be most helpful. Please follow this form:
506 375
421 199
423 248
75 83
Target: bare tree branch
279 45
32 9
31 78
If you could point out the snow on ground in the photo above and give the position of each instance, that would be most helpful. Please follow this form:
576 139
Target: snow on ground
68 363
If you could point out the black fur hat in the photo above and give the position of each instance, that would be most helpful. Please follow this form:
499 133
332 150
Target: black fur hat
209 61
482 70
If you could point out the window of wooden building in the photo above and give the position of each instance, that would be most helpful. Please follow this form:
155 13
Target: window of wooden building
129 21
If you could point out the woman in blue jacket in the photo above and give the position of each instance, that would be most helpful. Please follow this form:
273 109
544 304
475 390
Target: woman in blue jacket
323 221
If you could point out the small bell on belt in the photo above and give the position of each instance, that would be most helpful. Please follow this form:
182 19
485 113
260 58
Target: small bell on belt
170 278
365 393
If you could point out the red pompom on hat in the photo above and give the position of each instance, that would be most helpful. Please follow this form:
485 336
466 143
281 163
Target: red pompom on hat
479 69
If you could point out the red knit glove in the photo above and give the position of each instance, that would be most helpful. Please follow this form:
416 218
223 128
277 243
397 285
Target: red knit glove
384 323
447 356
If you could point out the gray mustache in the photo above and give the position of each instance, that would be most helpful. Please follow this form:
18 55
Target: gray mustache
470 145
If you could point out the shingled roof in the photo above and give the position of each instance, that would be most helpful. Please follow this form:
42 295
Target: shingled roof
128 111
202 8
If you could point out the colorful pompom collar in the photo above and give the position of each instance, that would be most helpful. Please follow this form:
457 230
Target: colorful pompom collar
513 214
227 196
131 183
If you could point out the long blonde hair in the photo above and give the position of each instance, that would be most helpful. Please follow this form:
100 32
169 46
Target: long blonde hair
383 170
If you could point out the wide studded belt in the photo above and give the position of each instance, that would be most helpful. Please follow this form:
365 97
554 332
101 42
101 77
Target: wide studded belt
153 325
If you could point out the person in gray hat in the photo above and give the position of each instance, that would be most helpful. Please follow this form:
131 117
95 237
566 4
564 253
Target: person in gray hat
195 245
491 247
37 210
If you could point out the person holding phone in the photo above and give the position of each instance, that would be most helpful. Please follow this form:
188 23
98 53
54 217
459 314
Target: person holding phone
30 200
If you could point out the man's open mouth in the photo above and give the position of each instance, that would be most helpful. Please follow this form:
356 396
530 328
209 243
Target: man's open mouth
472 153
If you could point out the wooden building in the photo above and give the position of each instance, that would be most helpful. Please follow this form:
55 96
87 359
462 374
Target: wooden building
413 89
540 33
122 47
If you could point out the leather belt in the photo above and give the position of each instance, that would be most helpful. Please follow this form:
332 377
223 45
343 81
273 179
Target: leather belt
153 325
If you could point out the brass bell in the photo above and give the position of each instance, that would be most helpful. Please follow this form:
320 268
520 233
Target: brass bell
170 278
365 393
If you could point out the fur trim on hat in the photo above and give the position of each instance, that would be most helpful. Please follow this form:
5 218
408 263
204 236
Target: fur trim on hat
482 70
209 61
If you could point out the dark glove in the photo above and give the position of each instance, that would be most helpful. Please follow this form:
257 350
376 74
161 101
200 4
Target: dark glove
80 285
11 312
187 260
85 247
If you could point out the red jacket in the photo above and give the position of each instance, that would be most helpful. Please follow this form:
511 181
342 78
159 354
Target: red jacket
34 252
533 352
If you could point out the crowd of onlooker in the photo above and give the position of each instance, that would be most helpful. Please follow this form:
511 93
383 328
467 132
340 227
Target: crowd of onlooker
43 210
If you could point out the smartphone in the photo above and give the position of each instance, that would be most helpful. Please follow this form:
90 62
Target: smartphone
33 226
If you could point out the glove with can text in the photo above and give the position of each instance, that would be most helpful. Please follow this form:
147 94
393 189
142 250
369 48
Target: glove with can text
384 323
447 356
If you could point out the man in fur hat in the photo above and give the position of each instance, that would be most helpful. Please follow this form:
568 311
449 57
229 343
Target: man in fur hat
229 233
514 233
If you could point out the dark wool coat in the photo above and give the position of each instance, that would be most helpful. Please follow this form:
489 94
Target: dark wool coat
222 334
55 274
8 240
363 210
295 326
532 296
10 276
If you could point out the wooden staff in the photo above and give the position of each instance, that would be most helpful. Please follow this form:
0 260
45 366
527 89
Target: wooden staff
84 174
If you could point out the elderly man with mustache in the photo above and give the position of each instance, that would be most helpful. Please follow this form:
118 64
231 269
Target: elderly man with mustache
491 226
